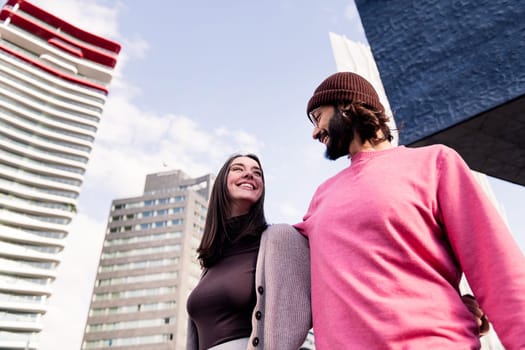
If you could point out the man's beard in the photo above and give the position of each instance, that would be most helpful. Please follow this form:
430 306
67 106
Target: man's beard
340 136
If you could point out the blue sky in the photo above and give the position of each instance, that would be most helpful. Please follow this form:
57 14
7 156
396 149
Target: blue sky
196 82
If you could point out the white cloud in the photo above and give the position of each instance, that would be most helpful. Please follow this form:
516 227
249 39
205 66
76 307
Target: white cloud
289 212
137 47
132 143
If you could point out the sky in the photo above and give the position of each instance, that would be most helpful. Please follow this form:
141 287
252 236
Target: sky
197 81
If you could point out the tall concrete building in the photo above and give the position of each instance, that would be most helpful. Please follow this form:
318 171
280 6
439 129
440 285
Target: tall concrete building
148 265
53 84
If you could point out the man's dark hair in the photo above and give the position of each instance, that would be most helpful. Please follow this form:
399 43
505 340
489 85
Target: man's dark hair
366 121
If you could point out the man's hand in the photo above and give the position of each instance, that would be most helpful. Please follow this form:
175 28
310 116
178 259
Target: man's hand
473 306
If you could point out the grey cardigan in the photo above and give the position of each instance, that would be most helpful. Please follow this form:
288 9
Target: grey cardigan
282 316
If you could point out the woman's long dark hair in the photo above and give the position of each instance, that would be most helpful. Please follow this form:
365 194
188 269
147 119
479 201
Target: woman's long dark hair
219 209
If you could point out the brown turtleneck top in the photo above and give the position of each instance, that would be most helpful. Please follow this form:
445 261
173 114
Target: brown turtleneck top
222 303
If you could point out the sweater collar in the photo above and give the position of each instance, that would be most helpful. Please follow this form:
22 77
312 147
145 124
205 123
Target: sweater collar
366 155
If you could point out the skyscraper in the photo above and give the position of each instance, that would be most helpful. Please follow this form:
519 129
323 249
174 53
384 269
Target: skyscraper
53 85
148 265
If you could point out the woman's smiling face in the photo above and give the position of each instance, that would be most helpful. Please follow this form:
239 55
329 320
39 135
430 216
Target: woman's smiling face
245 184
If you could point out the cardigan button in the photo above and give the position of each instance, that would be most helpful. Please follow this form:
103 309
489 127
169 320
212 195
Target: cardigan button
255 341
260 289
258 315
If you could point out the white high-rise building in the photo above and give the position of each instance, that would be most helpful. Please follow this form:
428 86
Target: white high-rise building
53 85
148 265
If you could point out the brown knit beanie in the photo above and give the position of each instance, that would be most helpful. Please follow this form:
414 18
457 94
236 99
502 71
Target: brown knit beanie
344 87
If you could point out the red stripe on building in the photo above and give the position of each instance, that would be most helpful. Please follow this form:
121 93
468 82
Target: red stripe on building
36 28
65 26
54 71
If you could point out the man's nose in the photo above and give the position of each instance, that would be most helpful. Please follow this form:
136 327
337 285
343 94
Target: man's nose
315 133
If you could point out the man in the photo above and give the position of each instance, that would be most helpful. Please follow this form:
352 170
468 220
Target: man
391 234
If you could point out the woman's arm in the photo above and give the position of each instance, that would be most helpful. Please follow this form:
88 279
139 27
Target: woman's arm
283 311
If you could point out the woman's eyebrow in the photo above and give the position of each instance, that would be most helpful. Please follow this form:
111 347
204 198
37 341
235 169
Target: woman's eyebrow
239 164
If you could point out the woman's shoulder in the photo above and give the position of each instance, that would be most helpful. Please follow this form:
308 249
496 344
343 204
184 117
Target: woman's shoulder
283 233
276 229
282 245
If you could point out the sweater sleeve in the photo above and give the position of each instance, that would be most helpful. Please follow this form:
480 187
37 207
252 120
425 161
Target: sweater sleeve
484 247
286 314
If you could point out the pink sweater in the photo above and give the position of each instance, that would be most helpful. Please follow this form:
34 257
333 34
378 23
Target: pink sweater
389 237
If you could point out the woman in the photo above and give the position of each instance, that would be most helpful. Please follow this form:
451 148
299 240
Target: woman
227 310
